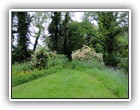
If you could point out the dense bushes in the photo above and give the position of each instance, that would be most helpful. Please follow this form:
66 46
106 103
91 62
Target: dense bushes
22 73
124 64
57 59
83 59
87 53
27 71
20 57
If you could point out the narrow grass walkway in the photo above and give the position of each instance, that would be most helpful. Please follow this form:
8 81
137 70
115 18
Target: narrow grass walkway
68 83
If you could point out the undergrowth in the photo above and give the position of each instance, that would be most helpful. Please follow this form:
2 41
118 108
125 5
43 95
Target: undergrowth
114 80
22 73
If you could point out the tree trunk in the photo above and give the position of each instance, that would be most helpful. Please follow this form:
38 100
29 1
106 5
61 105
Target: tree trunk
36 42
37 37
67 51
22 37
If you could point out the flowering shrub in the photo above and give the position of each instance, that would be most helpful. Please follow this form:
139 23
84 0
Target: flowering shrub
52 55
39 59
86 53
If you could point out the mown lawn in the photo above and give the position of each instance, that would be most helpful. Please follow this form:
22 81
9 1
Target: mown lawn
77 82
65 84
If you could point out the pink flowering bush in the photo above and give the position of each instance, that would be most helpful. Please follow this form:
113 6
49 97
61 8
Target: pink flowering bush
86 53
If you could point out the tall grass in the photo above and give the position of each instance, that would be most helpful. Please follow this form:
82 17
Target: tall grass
88 64
22 73
115 80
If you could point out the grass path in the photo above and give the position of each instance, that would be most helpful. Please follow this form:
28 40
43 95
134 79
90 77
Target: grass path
68 83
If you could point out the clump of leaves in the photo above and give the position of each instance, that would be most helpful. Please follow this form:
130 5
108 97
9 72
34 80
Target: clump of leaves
39 59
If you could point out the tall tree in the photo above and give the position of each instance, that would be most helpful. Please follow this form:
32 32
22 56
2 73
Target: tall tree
55 32
70 35
38 20
66 50
22 38
111 25
14 25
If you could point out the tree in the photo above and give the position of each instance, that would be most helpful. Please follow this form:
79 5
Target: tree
70 36
66 49
14 25
38 20
20 51
55 32
111 25
76 36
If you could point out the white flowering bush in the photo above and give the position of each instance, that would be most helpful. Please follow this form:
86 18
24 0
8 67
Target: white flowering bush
52 55
86 53
39 59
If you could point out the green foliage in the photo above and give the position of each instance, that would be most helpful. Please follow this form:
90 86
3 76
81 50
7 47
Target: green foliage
57 59
71 82
17 55
75 40
106 32
66 48
39 59
73 65
110 37
72 36
122 52
88 64
98 48
23 38
26 72
124 64
115 80
104 43
80 34
55 33
37 21
20 76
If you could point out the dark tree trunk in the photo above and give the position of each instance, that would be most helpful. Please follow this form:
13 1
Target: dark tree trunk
22 37
109 57
36 40
69 57
66 49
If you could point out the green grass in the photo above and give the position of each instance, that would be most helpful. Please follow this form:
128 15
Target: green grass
77 79
65 84
22 73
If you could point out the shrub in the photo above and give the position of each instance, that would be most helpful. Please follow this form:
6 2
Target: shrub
52 55
22 73
87 53
124 64
39 59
